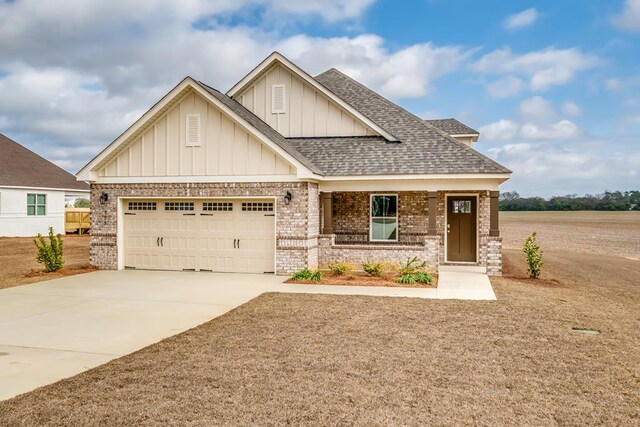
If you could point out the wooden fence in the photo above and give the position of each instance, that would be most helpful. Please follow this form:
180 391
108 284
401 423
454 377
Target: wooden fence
77 220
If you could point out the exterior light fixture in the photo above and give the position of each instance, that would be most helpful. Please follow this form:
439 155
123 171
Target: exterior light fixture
104 197
287 198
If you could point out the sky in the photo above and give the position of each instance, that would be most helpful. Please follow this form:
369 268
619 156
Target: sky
552 86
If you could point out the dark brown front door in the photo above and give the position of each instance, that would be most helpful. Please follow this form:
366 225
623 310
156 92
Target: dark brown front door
461 229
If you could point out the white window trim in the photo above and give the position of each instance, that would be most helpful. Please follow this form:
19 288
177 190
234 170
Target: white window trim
275 110
198 143
397 217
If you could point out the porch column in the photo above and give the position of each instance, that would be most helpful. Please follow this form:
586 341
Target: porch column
494 218
433 212
327 208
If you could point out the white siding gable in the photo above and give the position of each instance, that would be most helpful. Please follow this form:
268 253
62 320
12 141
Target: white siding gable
195 138
306 111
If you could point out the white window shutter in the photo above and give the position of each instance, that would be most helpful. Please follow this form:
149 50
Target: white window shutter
193 130
278 99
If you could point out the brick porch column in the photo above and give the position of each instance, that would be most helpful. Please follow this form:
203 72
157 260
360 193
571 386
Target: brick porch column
327 209
494 217
433 209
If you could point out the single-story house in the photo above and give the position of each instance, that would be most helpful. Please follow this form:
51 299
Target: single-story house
32 192
287 171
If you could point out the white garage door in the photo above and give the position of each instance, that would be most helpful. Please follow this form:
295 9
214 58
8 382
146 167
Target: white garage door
202 235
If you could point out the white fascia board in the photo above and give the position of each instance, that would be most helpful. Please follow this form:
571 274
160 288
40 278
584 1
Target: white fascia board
68 190
275 56
195 179
465 135
499 176
411 185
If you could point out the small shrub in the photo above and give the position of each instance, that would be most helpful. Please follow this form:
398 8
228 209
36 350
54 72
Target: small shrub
339 268
306 274
411 267
372 268
534 256
49 253
424 278
406 279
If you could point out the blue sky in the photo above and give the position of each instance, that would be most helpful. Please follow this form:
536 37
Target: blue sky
553 86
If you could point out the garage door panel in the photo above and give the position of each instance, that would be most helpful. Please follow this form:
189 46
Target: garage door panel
230 239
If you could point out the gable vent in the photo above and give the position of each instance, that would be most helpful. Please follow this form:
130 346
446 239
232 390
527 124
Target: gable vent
193 130
277 99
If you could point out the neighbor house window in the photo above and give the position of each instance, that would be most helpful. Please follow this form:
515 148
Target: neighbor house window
36 204
384 217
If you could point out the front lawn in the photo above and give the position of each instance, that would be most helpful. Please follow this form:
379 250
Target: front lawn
349 360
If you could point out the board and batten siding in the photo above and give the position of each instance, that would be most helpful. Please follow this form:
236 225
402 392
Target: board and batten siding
308 112
226 148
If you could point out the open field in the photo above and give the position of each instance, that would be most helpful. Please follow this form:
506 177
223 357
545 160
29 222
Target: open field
18 264
606 233
348 360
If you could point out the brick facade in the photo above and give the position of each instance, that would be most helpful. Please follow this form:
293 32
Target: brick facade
296 231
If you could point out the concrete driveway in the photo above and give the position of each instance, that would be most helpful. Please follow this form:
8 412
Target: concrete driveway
59 328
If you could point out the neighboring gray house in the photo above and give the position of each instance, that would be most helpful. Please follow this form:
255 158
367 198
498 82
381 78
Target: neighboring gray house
287 171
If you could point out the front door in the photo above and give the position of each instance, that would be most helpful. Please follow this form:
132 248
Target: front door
461 228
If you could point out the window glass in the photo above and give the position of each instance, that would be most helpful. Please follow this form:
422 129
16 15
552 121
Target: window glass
36 204
31 199
31 210
462 206
41 210
41 199
384 217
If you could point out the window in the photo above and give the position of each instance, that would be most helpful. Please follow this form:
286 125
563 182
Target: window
142 206
384 217
217 206
36 204
178 206
278 99
461 206
193 130
257 207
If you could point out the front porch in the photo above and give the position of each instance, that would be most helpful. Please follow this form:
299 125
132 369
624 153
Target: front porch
361 226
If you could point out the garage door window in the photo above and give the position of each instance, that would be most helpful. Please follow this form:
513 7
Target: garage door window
178 206
217 206
142 206
257 207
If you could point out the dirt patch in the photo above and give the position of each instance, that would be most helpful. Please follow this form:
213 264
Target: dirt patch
364 280
18 264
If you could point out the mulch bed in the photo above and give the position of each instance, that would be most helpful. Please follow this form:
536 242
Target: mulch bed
63 272
364 280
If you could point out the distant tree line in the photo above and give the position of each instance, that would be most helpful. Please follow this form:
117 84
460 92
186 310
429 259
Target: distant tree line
608 201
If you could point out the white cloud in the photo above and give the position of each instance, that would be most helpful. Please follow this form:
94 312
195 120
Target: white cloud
544 68
536 109
629 17
571 109
562 130
502 130
505 87
523 19
406 73
613 84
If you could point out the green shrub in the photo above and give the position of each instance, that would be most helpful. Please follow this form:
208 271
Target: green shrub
339 268
534 256
49 253
372 268
424 278
306 274
406 279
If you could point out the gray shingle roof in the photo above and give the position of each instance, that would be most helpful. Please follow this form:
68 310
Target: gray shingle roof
452 126
22 167
423 149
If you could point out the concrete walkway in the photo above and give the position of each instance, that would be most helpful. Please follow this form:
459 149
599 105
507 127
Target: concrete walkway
59 328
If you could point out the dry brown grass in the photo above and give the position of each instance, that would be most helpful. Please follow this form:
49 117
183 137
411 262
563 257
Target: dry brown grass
348 360
18 264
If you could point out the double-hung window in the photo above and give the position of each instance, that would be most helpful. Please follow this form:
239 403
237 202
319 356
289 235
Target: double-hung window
36 204
384 217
